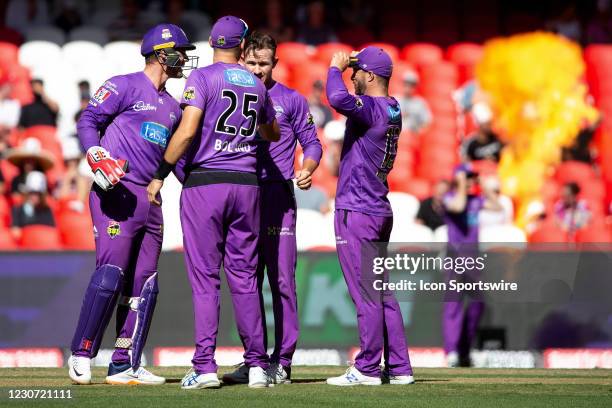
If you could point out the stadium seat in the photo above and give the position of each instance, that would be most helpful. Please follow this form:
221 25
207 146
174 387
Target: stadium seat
355 35
396 84
485 167
418 187
36 54
5 212
391 49
405 207
76 230
421 53
595 233
40 238
91 34
574 171
440 72
442 106
411 233
123 57
84 57
548 233
464 53
10 36
10 54
501 234
305 75
7 243
205 52
598 54
45 33
434 172
293 53
441 234
324 52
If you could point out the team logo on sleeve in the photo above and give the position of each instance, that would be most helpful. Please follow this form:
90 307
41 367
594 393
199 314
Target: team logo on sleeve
310 119
359 103
221 40
394 113
189 93
113 230
101 95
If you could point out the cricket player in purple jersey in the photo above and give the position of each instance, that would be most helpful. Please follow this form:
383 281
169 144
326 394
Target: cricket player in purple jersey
275 168
363 212
461 217
128 121
224 106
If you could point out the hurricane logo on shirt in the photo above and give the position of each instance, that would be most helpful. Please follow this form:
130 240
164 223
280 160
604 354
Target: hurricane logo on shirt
155 133
394 113
310 119
113 229
189 93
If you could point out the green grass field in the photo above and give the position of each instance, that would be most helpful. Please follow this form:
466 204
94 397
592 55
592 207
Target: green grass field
434 388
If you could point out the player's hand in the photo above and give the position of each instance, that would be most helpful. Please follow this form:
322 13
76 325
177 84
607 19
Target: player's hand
303 179
153 190
107 171
340 60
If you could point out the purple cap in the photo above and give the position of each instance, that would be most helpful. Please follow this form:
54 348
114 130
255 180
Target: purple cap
466 168
228 32
375 60
164 36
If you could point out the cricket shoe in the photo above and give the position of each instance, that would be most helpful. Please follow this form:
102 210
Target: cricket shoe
194 381
353 376
239 376
277 374
79 369
258 378
452 359
123 374
396 379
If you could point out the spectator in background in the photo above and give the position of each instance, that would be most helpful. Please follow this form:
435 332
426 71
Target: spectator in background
579 150
415 111
570 213
34 210
334 138
24 14
320 111
277 26
68 15
84 97
175 13
28 158
312 199
76 182
357 13
128 26
484 143
9 108
491 191
42 111
315 30
431 210
599 28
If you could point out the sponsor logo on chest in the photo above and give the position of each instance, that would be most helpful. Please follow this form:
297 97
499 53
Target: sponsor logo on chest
155 133
239 77
141 106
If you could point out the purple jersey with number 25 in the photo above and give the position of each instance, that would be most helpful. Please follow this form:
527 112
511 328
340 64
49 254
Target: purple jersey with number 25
234 102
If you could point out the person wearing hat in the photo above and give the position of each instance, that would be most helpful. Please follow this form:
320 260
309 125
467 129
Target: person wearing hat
75 184
226 111
484 144
34 210
28 157
415 111
363 212
462 206
127 123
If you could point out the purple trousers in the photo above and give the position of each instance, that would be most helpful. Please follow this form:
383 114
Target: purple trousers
379 319
278 257
221 227
128 233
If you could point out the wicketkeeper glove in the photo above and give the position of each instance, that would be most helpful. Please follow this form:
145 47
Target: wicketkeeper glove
107 171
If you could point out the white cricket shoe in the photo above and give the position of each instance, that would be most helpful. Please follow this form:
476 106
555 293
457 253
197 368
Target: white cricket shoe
452 359
397 379
79 369
258 378
140 377
277 374
239 376
194 381
353 376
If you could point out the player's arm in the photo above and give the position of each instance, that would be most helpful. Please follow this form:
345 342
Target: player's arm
306 132
458 201
339 97
106 103
268 126
180 141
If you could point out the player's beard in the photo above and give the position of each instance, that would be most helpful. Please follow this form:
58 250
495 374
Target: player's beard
359 86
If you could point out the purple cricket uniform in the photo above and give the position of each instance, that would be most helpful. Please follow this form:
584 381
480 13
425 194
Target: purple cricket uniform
133 120
277 245
220 206
363 215
459 323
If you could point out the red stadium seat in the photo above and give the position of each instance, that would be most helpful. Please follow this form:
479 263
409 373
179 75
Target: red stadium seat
418 187
305 75
598 54
439 140
440 72
433 171
464 53
442 106
325 52
282 73
293 53
10 54
574 171
391 49
76 230
355 35
7 243
548 233
595 233
40 238
396 84
485 167
5 212
421 53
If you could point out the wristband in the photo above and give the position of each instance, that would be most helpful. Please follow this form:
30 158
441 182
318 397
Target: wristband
163 170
